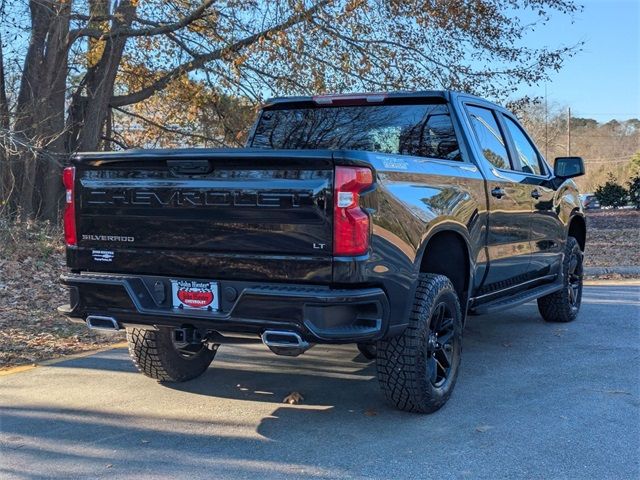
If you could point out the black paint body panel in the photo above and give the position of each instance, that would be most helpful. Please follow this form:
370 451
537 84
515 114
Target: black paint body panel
264 218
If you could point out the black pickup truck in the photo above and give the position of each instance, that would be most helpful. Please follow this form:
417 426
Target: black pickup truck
381 220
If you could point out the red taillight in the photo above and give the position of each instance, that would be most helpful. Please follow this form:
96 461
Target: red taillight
68 179
350 222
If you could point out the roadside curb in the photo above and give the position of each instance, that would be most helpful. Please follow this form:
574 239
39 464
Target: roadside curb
609 282
64 358
622 270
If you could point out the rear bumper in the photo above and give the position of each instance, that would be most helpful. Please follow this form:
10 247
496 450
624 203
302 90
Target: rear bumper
318 314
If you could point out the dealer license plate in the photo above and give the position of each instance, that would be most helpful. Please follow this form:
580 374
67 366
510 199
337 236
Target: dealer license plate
194 294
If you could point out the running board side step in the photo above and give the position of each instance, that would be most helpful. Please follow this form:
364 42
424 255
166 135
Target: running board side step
515 300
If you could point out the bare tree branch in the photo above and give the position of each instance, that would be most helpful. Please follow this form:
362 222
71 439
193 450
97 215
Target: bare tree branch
160 29
200 60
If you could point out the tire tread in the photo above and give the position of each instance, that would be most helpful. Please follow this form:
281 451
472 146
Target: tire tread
397 357
150 351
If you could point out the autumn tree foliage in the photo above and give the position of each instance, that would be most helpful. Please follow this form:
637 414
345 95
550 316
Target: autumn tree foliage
188 113
95 74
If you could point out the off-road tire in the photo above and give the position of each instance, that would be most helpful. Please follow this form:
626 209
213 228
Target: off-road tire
368 350
155 355
403 361
564 305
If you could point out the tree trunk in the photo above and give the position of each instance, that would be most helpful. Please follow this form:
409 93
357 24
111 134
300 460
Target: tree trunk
6 182
4 104
39 123
100 80
29 99
55 156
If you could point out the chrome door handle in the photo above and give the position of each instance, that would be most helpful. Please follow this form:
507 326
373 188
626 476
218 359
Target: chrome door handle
498 192
535 194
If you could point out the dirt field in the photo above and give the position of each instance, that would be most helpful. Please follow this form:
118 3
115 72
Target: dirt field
613 238
32 258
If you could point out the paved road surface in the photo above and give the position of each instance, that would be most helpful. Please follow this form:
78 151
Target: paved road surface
534 400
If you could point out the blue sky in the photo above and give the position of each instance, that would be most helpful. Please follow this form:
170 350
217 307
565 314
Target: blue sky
603 80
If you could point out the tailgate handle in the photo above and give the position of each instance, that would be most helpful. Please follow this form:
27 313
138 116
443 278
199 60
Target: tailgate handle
186 167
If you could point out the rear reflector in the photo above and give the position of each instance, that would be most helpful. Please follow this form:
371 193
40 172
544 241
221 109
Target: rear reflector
350 222
68 179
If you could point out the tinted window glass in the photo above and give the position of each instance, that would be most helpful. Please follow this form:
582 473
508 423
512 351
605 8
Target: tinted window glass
529 161
422 130
489 136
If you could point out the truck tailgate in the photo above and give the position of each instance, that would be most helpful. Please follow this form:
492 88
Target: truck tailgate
222 214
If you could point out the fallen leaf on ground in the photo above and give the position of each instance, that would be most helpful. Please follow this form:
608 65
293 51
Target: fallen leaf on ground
370 412
293 398
30 291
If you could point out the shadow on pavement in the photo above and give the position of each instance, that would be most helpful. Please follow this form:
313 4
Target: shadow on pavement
325 377
105 444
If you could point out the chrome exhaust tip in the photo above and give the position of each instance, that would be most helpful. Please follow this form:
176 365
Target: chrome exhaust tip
286 343
97 322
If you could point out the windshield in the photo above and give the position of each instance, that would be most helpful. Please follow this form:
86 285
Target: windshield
420 130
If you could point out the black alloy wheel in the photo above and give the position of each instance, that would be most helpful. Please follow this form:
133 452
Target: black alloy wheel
440 345
574 283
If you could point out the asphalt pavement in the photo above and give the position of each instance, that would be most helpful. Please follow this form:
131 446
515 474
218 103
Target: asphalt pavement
533 400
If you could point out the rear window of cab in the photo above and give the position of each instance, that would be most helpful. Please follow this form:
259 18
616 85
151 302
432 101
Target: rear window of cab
424 130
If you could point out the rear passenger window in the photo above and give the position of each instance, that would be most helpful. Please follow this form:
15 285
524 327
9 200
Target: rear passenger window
529 159
432 136
489 136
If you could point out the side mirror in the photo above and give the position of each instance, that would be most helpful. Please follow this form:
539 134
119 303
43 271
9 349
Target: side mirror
568 167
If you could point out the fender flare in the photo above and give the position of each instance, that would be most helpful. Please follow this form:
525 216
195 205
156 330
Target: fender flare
458 229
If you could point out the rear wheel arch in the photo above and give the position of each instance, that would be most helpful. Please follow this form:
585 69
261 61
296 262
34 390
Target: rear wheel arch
446 252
